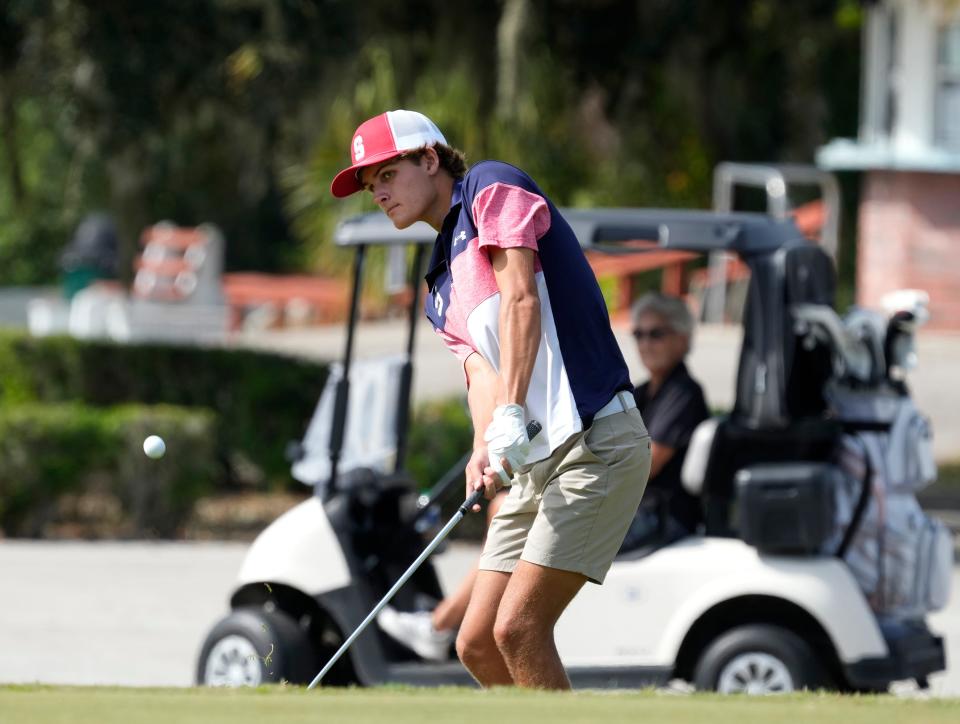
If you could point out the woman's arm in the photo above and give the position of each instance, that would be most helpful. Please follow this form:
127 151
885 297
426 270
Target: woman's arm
660 455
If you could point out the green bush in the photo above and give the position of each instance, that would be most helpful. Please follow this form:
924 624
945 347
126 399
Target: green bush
159 494
262 400
439 436
45 451
51 451
442 433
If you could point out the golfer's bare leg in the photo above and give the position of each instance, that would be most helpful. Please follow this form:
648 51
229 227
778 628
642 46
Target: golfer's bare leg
529 609
475 643
450 611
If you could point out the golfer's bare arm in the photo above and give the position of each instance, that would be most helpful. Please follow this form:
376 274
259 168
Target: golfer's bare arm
519 340
483 386
482 394
519 320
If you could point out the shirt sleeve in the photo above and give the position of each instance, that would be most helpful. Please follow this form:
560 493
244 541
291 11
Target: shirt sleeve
678 413
509 216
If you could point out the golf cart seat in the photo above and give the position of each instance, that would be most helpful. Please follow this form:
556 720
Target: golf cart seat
779 414
723 446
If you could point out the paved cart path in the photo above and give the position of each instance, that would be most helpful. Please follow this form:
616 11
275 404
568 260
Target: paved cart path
135 614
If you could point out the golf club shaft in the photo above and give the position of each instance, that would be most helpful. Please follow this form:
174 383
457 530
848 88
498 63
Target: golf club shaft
533 428
438 539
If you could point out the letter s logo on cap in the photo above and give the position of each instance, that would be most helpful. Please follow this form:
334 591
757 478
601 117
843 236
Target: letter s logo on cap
358 151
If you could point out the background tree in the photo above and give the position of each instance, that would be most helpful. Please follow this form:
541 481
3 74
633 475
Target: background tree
238 112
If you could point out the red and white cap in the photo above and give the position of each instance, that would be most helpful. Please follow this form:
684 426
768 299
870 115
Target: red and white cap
382 138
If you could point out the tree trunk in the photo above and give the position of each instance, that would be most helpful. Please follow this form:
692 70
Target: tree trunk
128 196
8 134
511 32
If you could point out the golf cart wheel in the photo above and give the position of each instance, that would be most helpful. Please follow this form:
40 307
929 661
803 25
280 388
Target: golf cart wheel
758 659
252 646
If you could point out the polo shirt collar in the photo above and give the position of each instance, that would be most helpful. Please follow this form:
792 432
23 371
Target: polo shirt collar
456 199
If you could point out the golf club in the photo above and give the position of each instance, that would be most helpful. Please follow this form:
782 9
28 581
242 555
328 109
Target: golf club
533 429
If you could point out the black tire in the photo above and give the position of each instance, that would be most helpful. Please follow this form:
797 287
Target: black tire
759 659
252 646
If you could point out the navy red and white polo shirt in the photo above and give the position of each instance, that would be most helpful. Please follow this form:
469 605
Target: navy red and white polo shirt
579 366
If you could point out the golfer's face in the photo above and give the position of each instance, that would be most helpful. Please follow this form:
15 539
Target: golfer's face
401 188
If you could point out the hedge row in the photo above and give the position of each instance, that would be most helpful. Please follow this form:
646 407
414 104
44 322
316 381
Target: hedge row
262 400
439 436
73 416
51 454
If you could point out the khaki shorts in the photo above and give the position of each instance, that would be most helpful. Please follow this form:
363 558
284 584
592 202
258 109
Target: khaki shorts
571 510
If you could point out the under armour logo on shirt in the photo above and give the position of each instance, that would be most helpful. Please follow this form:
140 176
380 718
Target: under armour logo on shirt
462 236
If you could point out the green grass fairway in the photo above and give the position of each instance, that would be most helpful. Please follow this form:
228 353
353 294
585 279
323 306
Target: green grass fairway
395 705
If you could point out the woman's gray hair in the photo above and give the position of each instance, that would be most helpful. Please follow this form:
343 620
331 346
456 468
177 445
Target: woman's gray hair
673 310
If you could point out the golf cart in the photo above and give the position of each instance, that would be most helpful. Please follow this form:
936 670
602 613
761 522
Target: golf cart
765 598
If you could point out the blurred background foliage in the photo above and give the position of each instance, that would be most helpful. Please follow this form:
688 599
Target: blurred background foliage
72 468
74 414
238 112
260 400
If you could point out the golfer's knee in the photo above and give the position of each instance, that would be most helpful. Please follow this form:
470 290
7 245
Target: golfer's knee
473 649
514 635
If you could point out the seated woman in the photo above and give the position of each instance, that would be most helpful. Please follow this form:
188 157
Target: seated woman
672 405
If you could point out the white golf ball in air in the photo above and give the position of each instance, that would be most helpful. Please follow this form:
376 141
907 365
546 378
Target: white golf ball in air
154 447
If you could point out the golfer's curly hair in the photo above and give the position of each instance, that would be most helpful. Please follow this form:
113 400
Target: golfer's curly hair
452 159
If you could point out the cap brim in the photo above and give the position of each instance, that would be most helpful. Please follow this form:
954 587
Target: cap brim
346 183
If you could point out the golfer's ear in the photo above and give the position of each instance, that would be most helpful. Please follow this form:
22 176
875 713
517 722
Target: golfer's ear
431 160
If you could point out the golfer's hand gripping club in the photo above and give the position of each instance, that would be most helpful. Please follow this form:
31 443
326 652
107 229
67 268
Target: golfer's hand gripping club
508 440
533 429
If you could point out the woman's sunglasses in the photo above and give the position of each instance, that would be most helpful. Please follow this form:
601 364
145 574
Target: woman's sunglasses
654 334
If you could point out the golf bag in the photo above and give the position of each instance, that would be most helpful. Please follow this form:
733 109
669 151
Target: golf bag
901 557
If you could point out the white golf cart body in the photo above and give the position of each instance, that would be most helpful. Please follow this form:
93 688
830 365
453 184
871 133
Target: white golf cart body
676 587
633 627
660 611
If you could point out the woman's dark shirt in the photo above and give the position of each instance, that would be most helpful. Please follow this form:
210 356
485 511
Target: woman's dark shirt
671 416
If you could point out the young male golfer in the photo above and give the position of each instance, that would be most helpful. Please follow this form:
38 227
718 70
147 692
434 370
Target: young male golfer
511 294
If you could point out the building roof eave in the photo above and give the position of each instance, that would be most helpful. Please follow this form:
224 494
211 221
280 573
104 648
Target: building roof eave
844 154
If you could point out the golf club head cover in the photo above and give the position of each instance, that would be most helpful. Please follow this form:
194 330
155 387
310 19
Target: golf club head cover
507 439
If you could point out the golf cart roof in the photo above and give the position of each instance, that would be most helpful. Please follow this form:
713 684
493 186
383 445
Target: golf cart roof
604 229
375 229
682 230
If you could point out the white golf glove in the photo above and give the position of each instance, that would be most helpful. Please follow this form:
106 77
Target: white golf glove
506 438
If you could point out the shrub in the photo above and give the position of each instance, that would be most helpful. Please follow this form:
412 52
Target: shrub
49 451
439 436
158 495
262 400
45 451
442 433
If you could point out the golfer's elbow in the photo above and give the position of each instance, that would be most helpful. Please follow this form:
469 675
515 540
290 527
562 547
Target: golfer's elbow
521 304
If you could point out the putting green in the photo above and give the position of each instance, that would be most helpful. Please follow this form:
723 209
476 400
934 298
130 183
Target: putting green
396 705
